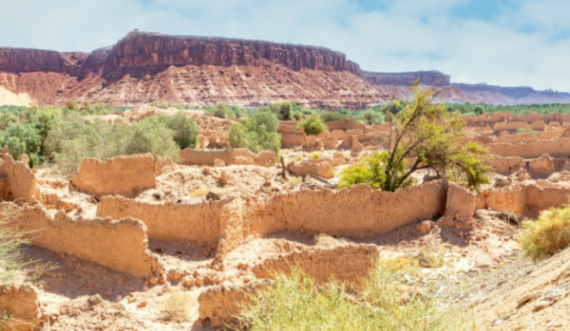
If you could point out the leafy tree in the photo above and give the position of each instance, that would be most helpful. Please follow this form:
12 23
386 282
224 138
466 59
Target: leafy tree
371 117
220 111
312 125
283 110
72 105
23 139
257 132
186 130
425 134
330 116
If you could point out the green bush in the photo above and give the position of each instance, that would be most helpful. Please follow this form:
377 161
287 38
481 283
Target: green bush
371 117
257 132
220 111
22 139
312 125
186 130
283 110
297 302
330 116
546 236
71 140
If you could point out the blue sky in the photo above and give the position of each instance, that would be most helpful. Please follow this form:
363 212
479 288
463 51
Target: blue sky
503 42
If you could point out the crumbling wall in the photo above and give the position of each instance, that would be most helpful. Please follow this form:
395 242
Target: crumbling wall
120 245
523 199
124 175
345 263
237 156
555 147
505 165
359 211
198 222
322 168
510 126
17 181
21 303
460 206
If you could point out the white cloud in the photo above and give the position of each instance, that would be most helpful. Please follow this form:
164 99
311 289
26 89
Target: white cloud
525 46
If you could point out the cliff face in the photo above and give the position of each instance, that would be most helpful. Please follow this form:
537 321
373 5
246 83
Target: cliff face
145 50
147 67
430 78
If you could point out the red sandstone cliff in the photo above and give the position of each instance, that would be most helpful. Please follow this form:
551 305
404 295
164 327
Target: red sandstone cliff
148 67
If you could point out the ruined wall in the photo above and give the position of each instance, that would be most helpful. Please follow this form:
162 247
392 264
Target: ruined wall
124 175
20 302
241 156
120 245
348 263
523 199
321 168
460 205
359 211
555 147
505 165
168 221
17 181
345 263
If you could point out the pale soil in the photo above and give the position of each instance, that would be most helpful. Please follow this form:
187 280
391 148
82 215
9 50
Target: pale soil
10 98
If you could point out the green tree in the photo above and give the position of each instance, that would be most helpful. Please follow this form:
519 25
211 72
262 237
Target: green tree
425 134
220 111
186 130
23 139
312 125
257 132
283 110
371 117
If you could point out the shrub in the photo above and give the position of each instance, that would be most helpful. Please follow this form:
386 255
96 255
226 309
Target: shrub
330 116
71 140
257 132
546 236
383 303
527 130
312 125
315 155
178 306
371 117
220 111
23 139
283 110
11 259
72 105
186 130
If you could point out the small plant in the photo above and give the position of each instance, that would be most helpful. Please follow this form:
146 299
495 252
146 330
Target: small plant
220 111
527 130
177 306
72 105
315 155
371 117
312 125
199 192
293 182
546 236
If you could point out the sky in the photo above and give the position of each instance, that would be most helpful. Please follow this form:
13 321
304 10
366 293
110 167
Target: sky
498 42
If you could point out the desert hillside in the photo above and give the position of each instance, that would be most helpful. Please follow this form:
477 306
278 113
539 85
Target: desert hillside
197 71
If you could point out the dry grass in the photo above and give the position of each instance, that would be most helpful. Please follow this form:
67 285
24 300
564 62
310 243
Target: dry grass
546 236
293 182
178 306
324 240
315 155
220 191
384 303
199 192
429 259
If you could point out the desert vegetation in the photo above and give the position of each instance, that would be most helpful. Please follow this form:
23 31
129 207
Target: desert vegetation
427 135
546 236
257 132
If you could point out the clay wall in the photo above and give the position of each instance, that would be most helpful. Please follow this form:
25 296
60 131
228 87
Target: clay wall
120 245
511 126
17 181
290 139
345 263
237 156
349 263
123 175
168 221
556 147
523 199
21 303
359 211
